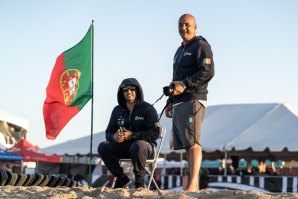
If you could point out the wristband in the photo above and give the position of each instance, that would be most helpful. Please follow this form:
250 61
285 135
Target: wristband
183 85
135 136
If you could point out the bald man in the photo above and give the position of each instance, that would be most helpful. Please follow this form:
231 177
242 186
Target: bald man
193 68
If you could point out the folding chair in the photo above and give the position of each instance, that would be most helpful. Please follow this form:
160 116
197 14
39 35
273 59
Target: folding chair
152 162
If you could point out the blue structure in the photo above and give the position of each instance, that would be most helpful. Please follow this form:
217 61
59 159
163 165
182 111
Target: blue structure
4 155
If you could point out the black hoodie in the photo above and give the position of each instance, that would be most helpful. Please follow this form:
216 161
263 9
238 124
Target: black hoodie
142 120
189 66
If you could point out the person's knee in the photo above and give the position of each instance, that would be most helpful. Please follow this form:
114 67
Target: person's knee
196 146
137 147
103 148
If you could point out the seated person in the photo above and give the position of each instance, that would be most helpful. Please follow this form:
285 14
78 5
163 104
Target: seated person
131 133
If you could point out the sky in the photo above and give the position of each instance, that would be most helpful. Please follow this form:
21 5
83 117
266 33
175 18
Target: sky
255 47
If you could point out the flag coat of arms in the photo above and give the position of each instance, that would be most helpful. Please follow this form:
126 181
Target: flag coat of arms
70 85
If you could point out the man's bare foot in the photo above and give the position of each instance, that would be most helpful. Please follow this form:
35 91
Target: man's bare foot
192 189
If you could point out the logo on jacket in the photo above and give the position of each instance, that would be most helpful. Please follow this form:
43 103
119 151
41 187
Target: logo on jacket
207 61
121 121
186 54
139 118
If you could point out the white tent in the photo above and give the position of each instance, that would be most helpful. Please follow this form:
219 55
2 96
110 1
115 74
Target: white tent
255 126
12 119
80 146
12 129
234 128
242 126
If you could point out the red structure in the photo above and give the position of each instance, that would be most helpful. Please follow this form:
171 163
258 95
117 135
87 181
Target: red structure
31 153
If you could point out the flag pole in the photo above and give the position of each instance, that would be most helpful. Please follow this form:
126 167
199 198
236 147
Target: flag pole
92 84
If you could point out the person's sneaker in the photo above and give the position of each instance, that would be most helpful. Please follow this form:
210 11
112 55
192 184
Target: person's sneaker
122 182
139 183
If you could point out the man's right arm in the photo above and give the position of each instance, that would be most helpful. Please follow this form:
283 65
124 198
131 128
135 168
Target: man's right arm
169 110
112 128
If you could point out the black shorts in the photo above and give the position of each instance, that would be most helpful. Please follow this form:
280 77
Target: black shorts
187 122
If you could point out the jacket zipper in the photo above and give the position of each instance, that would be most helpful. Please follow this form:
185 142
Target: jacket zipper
129 119
178 61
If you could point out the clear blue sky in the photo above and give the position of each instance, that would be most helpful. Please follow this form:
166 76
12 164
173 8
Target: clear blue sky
255 46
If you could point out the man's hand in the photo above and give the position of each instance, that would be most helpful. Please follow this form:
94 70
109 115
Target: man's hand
169 111
127 134
118 136
179 87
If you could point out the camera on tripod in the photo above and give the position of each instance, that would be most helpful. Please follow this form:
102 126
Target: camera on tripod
169 90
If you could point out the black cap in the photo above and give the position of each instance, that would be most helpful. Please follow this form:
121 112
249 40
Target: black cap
128 82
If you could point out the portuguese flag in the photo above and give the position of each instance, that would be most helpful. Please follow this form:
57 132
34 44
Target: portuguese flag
70 85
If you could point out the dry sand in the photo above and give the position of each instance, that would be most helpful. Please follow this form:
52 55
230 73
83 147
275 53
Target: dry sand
85 193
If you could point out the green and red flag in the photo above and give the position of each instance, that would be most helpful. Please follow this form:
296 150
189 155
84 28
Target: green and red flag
70 85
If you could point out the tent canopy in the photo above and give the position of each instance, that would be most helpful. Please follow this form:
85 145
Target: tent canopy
31 153
255 126
24 145
262 129
80 146
249 130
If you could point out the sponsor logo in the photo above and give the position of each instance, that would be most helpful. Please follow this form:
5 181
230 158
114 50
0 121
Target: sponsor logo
139 118
69 83
186 54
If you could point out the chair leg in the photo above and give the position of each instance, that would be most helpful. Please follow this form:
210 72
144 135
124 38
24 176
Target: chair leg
113 183
154 182
151 180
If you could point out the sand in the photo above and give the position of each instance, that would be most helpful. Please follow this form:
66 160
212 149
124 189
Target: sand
84 192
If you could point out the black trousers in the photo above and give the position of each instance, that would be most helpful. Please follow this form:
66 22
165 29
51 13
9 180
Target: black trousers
138 151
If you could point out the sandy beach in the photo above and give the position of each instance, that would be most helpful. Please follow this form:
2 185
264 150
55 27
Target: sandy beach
85 193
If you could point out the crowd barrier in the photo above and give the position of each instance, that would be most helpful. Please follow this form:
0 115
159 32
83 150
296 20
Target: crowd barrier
268 183
14 179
